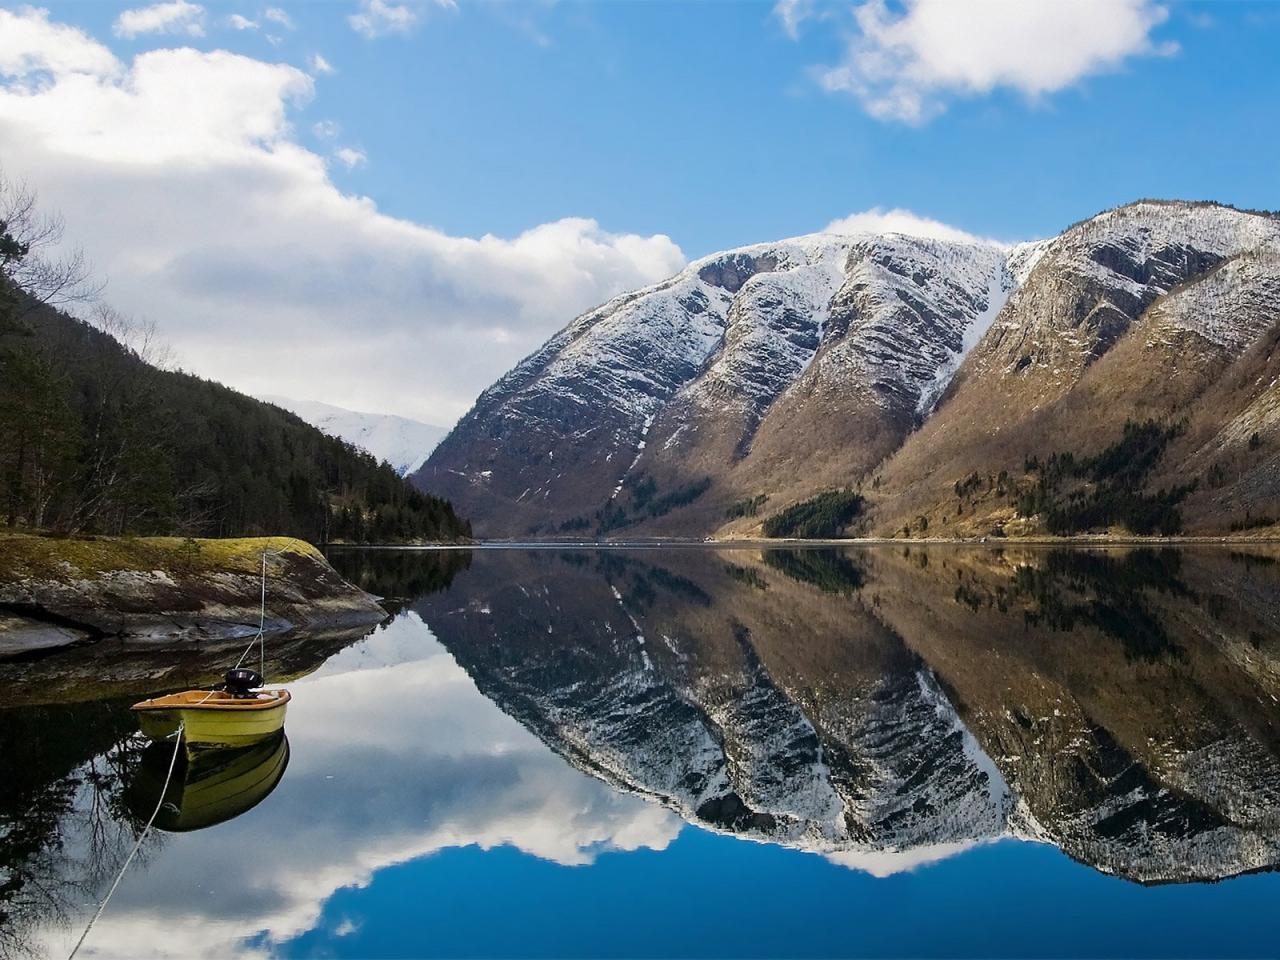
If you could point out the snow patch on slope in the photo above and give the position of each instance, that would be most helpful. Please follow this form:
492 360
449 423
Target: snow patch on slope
401 442
999 287
776 322
1145 234
1230 306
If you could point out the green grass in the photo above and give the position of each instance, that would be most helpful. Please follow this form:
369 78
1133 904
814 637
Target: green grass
31 556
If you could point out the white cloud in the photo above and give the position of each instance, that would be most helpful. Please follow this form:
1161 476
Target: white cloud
377 18
886 863
897 220
176 16
346 927
319 65
350 157
326 129
906 64
181 176
279 17
30 45
238 22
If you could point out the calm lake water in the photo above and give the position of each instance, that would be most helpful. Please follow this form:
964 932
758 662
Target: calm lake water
688 752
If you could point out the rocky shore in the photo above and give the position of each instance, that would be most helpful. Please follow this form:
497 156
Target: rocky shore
62 592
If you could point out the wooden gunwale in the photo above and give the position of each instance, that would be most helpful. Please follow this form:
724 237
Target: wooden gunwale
200 700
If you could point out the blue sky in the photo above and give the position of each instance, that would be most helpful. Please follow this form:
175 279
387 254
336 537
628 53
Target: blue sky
700 121
711 124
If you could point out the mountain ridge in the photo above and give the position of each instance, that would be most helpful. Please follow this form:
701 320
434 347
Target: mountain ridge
760 376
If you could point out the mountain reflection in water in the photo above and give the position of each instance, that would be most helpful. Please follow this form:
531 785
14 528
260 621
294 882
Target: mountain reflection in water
884 708
887 707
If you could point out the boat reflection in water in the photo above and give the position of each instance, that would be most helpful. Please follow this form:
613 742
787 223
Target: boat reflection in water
208 786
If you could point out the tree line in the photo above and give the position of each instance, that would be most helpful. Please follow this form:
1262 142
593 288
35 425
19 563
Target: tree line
824 515
1117 477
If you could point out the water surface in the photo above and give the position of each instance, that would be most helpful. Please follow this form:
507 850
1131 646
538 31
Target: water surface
886 751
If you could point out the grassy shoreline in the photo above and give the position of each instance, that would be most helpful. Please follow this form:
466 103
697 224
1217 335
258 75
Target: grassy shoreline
71 591
32 556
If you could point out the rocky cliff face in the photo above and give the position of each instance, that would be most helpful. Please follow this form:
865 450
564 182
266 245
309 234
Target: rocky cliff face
764 375
887 710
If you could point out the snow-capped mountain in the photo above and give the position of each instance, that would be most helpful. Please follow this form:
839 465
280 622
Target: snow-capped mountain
403 443
773 372
741 359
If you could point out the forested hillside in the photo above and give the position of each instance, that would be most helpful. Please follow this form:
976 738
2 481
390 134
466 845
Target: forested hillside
94 439
97 436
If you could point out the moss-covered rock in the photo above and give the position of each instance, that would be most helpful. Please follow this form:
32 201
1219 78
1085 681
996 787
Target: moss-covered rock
55 592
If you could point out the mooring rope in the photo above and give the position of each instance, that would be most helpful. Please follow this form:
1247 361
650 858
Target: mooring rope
259 638
262 627
173 761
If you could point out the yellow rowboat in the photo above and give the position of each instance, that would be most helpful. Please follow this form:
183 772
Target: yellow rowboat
209 787
214 718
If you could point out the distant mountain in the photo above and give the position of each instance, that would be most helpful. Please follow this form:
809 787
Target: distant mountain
960 387
401 442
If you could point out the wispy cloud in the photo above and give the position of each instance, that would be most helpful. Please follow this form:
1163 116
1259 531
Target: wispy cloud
792 13
239 22
350 157
907 63
177 16
319 65
379 18
279 17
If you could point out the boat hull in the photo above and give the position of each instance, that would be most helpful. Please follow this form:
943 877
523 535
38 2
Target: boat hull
217 721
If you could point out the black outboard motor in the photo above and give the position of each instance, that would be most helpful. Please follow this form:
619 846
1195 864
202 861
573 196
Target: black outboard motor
240 681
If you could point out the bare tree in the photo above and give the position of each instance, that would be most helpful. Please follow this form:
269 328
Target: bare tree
140 337
92 457
195 508
33 260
